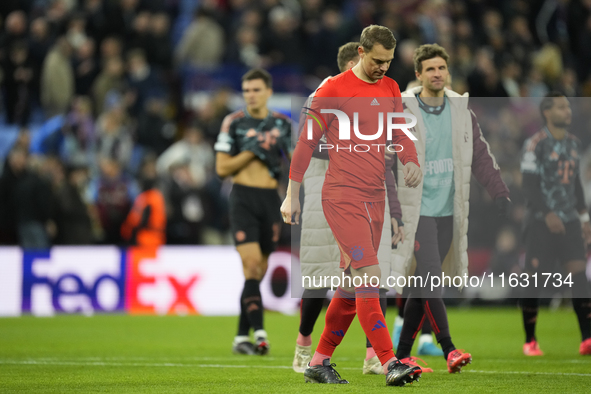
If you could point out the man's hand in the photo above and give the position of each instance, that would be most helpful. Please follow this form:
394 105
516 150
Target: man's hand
554 223
586 228
503 204
412 174
262 145
290 210
397 232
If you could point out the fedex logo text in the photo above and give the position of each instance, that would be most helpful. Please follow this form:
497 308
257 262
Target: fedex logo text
62 281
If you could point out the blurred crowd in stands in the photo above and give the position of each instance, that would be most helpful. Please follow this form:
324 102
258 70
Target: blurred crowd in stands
100 95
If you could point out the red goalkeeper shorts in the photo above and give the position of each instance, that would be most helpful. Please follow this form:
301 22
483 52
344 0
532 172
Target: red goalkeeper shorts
357 228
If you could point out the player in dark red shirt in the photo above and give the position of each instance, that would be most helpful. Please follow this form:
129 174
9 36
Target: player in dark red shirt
354 195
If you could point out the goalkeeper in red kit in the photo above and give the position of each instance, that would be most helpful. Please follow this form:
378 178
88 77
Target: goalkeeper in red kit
353 195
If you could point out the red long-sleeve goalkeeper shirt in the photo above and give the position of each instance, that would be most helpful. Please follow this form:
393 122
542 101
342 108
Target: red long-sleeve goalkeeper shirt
357 166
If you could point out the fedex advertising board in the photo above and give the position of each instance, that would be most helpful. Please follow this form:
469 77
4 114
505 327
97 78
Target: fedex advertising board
11 279
204 280
175 280
73 280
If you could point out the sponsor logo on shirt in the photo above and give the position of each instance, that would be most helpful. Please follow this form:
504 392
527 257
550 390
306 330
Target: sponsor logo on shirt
435 167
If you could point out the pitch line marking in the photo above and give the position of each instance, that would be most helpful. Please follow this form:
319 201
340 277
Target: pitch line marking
120 364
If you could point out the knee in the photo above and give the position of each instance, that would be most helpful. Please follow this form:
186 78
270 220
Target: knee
253 267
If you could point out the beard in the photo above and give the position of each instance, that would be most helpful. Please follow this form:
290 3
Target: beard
435 88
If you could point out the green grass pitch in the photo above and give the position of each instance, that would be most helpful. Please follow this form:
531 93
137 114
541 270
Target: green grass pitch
147 354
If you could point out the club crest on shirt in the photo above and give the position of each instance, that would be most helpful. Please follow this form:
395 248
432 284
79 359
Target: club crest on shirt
357 253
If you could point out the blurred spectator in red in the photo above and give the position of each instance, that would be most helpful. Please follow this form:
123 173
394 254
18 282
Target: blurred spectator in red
112 193
146 223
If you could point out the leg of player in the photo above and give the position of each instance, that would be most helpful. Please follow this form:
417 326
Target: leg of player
542 252
529 310
358 237
413 322
426 345
371 364
373 323
581 302
339 315
398 320
254 265
433 238
310 308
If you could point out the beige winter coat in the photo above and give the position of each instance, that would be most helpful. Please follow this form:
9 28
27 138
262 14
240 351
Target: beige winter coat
467 137
57 83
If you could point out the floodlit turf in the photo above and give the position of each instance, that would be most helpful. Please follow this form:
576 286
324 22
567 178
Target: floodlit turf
193 354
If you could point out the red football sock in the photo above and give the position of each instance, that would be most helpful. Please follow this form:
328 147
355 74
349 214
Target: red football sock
339 315
372 321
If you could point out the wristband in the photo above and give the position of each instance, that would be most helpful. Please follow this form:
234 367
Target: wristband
584 217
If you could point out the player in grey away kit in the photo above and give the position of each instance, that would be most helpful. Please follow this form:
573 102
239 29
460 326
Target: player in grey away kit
557 219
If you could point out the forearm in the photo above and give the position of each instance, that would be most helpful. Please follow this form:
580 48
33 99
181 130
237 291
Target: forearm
580 196
393 202
484 165
293 189
300 161
409 151
228 165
